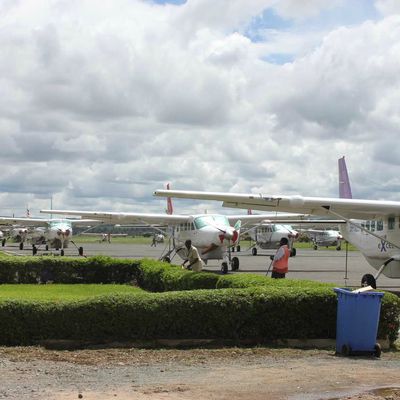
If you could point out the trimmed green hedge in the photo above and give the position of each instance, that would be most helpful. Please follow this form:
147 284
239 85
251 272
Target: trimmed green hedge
97 269
245 306
228 314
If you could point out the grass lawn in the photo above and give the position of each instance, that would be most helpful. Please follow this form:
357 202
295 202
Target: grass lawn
58 292
81 239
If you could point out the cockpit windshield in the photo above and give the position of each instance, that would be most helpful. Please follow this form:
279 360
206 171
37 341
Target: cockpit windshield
213 220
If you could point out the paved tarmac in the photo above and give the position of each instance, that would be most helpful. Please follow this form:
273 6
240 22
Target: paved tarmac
320 265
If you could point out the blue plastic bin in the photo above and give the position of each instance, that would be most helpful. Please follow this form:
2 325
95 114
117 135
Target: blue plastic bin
357 322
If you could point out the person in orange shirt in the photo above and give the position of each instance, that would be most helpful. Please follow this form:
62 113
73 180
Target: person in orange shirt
280 262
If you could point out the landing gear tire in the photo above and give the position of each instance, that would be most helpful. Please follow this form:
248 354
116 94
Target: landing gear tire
377 350
338 248
315 247
368 280
80 251
34 250
47 247
224 268
254 251
3 242
167 259
238 249
346 350
21 246
62 252
235 264
293 252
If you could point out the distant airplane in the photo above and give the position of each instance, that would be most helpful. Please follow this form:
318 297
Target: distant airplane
268 236
55 233
324 238
377 236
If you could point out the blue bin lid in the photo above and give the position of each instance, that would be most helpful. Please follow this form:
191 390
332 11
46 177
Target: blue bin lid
348 292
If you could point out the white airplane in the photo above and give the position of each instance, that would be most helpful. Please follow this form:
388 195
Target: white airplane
324 238
17 233
55 233
377 237
268 236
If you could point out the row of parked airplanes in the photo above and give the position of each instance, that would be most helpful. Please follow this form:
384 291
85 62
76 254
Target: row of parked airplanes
216 236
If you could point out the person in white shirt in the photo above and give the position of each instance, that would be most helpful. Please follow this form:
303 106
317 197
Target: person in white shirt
195 262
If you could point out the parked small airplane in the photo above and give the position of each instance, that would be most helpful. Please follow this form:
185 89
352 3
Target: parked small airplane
377 237
268 236
324 238
18 234
55 233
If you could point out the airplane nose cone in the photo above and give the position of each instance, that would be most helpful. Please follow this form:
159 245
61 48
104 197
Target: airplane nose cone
231 235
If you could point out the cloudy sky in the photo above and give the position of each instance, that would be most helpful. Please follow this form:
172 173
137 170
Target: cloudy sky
102 102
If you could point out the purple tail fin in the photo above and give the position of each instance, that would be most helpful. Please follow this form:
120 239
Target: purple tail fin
344 182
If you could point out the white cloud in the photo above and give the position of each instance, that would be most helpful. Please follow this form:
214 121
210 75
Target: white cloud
388 7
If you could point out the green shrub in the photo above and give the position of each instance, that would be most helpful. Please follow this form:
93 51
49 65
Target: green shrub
244 306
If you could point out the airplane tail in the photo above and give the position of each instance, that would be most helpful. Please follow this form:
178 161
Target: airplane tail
170 208
344 182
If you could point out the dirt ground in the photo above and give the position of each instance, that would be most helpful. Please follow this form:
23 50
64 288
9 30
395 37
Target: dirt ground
230 373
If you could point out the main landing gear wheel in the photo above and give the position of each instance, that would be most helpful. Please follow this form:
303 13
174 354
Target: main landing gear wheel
238 249
338 248
21 246
224 268
3 242
47 247
315 247
62 252
34 250
254 251
166 259
235 264
80 251
368 280
293 252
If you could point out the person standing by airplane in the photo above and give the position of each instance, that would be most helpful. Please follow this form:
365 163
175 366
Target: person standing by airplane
195 262
280 262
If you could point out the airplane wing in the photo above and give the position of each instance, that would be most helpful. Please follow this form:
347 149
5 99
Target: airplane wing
24 221
126 218
84 222
342 208
274 218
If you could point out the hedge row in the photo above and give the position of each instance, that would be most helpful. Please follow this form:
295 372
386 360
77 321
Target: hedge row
253 307
151 275
229 314
97 269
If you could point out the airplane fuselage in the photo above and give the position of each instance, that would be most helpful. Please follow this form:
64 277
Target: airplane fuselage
268 236
325 238
210 234
376 251
57 234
